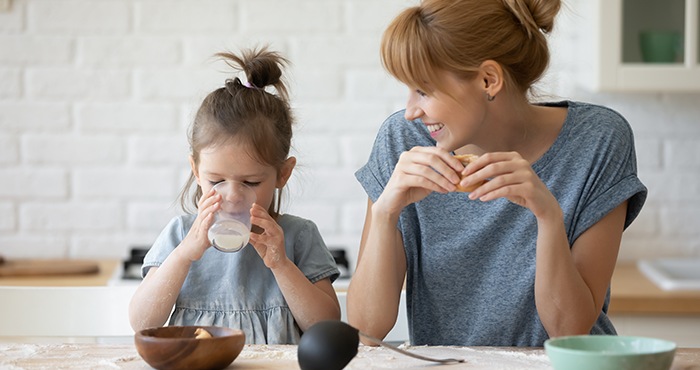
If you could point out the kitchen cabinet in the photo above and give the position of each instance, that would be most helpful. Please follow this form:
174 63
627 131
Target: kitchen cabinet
636 45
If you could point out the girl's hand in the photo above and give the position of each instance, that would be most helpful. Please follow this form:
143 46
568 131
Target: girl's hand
197 241
269 244
512 178
419 172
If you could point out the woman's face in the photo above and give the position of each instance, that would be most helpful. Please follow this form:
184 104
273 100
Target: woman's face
231 162
452 120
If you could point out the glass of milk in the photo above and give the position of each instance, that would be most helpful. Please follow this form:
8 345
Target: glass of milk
231 228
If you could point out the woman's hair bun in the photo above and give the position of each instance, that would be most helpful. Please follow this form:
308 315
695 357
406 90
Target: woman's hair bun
535 15
261 66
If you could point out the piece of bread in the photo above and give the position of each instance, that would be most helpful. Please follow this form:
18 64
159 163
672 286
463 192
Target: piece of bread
201 333
466 159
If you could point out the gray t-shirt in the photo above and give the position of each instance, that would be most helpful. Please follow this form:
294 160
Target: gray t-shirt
471 264
237 290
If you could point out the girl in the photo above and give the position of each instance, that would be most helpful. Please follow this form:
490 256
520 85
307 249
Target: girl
282 285
529 254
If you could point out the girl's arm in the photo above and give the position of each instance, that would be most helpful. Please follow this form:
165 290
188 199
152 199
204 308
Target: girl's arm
309 302
571 282
375 288
156 295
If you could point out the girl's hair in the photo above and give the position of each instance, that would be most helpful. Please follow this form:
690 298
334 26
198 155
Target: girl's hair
245 114
458 35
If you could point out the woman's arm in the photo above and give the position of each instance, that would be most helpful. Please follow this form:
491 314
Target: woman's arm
375 289
571 283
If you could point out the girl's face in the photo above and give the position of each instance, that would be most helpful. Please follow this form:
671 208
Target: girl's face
452 120
231 162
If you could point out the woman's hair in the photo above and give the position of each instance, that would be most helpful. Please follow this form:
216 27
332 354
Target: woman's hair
245 114
458 35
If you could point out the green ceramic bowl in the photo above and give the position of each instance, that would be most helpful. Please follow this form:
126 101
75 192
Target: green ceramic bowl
609 352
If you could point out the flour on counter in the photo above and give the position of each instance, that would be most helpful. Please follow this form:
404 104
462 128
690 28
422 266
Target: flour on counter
108 363
475 358
9 367
277 352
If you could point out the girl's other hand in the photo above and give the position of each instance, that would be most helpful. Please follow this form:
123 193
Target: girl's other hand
269 244
513 178
197 239
419 172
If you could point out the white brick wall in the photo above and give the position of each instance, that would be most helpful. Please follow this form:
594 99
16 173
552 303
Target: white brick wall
96 95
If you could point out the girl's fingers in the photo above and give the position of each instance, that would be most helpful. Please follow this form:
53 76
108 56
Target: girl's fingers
260 217
206 196
211 199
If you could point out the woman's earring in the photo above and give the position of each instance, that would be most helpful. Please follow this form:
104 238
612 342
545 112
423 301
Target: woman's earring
489 97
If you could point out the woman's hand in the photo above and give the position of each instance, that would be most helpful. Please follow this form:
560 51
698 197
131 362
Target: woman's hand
269 244
419 172
512 178
197 239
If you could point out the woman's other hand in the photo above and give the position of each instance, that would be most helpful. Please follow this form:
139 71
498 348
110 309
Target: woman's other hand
513 178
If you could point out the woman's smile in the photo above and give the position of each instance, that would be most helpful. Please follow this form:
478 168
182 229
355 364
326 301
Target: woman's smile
434 128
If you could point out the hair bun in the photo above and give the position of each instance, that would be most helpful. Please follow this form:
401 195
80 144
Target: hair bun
261 66
535 15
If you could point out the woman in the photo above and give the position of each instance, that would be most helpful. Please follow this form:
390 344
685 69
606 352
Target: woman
529 254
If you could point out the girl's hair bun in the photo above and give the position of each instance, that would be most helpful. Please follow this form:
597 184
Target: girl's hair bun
535 15
261 66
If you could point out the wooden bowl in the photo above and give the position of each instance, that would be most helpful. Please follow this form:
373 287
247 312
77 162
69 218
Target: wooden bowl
175 347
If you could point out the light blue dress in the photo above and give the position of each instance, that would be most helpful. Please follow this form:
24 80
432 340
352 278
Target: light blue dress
471 264
237 290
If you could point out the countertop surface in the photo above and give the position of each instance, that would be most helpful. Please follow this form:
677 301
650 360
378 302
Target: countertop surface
106 270
125 356
632 293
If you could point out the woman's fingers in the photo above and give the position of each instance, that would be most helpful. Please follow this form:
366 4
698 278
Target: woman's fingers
493 165
414 175
441 160
422 164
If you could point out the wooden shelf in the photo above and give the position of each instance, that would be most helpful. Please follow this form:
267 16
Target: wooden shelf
106 270
632 293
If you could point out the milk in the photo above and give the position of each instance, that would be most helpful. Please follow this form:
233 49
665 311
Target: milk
229 235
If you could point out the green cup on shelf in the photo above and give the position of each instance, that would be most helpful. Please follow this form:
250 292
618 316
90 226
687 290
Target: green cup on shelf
660 46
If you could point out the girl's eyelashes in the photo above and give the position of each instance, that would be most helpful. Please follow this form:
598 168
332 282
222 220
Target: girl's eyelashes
421 93
249 183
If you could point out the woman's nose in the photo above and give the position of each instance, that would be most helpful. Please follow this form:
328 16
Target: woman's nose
413 111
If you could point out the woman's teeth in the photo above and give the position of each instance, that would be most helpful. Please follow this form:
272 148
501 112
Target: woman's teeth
435 127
